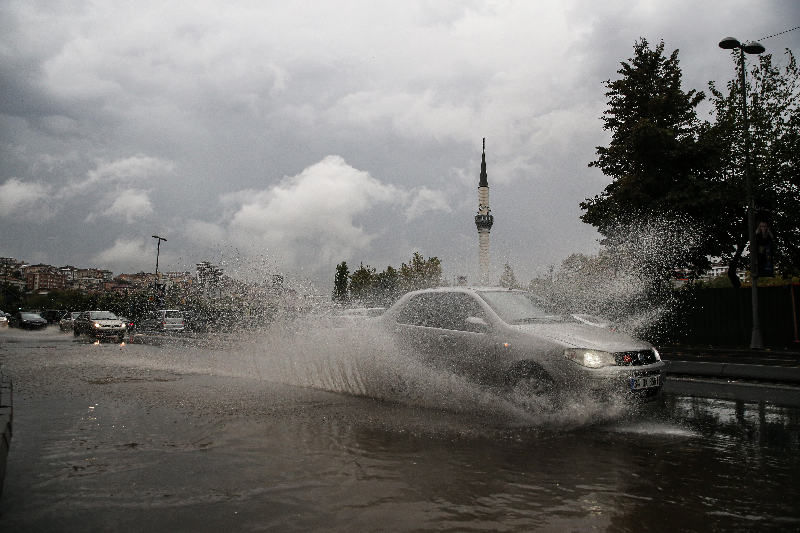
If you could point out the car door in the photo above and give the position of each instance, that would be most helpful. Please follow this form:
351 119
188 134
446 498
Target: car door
414 330
433 327
467 346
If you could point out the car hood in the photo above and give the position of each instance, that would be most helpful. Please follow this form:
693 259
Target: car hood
584 336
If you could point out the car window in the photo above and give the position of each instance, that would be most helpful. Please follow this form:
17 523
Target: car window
445 310
518 307
173 314
457 307
417 311
103 315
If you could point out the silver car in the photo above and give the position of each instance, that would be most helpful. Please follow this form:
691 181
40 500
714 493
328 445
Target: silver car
65 324
510 338
164 320
99 324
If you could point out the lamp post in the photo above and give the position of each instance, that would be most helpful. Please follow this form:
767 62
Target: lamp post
158 251
753 47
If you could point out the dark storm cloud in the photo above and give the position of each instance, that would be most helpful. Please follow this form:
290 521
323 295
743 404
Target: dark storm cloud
192 121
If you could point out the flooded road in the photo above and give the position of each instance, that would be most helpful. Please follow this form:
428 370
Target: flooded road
238 435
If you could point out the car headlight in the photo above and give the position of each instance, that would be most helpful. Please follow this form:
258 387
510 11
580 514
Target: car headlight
96 325
658 355
590 358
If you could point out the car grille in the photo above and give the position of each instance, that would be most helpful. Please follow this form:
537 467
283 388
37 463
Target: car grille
636 358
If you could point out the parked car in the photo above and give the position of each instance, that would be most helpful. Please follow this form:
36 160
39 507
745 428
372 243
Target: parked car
27 320
163 320
99 324
4 318
51 315
511 339
65 324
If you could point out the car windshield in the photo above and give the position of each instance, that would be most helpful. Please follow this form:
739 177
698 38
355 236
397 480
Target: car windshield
102 315
173 314
519 307
30 316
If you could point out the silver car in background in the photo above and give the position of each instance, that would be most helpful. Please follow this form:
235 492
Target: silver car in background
164 320
510 338
65 324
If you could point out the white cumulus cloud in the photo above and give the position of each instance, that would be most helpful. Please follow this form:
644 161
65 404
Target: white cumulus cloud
311 216
126 252
24 199
130 205
426 200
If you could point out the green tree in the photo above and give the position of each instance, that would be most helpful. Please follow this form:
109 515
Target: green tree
340 283
773 93
420 273
362 283
657 158
666 164
387 286
507 279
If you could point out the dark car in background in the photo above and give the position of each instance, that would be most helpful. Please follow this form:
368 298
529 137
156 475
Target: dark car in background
27 320
512 339
99 324
51 315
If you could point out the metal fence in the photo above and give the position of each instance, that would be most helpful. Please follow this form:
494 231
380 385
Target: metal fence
724 316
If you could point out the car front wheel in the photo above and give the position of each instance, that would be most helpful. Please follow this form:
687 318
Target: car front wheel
533 390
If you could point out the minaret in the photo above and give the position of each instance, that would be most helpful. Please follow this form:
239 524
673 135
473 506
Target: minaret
484 221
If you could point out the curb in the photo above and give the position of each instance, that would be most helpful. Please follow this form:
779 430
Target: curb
6 418
734 371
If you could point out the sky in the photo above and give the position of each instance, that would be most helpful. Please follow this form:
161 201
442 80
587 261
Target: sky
286 137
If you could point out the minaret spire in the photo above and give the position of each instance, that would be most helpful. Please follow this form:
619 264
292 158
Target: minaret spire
484 182
483 220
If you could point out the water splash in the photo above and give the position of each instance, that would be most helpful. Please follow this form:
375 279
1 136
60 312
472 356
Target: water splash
630 281
360 359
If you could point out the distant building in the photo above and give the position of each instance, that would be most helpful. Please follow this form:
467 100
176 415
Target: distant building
721 269
141 279
44 278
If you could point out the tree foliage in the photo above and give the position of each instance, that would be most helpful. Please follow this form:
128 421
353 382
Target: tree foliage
664 161
369 287
340 283
361 282
508 279
420 273
656 155
773 94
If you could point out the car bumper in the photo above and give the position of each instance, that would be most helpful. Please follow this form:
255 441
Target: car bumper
638 383
24 325
108 332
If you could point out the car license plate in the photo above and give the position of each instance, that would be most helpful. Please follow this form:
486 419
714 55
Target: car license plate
644 382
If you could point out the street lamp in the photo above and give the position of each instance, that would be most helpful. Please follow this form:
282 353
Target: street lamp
158 250
753 47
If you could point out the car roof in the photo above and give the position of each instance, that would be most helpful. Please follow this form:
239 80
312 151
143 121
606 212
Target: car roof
463 288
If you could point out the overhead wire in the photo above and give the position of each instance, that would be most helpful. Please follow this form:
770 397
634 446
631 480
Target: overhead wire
781 33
